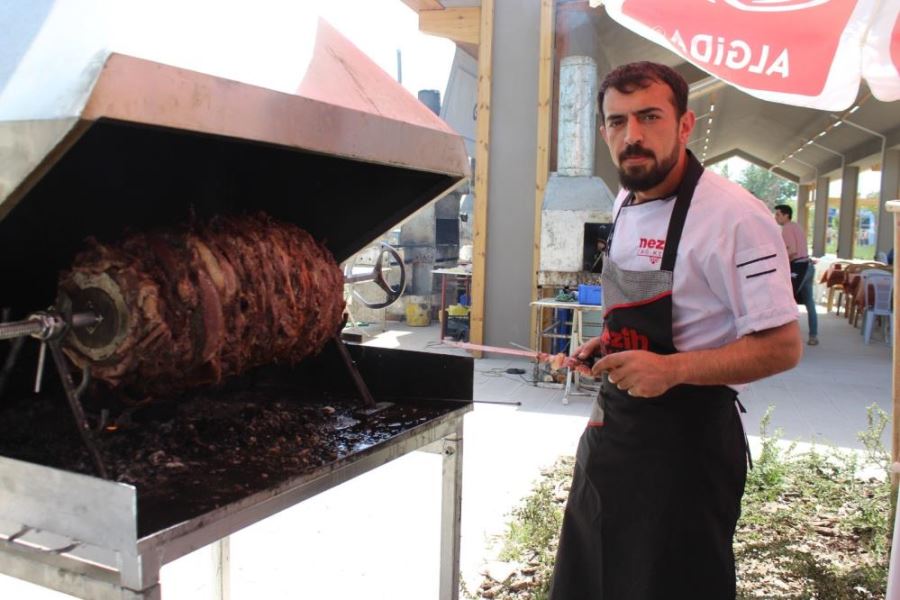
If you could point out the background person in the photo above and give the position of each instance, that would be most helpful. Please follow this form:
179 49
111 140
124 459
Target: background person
660 469
801 267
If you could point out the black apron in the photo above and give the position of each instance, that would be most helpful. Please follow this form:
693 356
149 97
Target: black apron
658 481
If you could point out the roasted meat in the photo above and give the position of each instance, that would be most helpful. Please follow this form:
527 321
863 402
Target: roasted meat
206 301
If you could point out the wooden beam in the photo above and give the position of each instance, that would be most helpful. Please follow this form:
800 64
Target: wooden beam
420 5
482 156
893 206
470 49
457 24
545 111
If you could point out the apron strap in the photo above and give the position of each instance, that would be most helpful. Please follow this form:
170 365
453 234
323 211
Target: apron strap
746 439
692 174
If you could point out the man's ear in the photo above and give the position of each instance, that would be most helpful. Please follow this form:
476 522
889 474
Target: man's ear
603 134
686 126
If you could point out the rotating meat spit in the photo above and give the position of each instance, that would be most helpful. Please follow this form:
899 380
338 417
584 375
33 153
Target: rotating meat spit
50 327
168 310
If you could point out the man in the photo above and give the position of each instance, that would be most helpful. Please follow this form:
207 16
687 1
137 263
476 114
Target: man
801 267
661 467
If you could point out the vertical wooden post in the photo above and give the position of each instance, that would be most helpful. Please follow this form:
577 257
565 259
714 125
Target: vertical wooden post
482 155
893 206
545 111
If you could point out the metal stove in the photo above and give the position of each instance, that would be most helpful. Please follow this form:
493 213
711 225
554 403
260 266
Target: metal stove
142 145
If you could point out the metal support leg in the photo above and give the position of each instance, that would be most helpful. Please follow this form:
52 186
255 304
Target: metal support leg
221 558
575 340
451 512
539 342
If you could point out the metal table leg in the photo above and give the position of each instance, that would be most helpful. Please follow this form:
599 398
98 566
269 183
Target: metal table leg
451 513
443 315
221 558
574 342
450 447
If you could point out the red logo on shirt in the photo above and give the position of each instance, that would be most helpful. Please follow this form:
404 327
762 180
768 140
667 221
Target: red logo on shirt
626 339
652 249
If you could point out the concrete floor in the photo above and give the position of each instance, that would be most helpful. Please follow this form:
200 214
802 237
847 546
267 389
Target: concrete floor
376 537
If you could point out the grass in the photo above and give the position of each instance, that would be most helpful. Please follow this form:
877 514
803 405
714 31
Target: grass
814 524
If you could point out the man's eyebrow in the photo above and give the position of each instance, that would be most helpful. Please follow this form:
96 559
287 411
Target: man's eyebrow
643 111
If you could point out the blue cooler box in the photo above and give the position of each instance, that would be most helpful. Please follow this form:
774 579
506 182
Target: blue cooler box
590 294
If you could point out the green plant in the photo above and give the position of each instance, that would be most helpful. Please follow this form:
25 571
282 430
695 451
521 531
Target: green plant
877 420
810 527
768 473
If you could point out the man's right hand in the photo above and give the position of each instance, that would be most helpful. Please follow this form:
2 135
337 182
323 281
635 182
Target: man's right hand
584 353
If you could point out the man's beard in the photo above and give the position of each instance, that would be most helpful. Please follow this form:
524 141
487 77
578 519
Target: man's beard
641 178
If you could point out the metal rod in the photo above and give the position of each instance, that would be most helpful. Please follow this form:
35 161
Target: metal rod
10 363
39 376
45 324
18 329
75 405
496 349
358 381
365 277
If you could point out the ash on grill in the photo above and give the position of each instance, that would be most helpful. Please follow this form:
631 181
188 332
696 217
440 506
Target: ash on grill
192 306
190 454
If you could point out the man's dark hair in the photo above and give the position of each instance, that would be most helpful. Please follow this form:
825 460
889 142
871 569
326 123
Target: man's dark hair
785 210
640 75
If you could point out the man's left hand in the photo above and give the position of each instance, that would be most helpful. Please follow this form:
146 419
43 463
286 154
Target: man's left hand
640 373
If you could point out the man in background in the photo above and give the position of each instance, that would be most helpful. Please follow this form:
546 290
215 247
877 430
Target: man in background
801 267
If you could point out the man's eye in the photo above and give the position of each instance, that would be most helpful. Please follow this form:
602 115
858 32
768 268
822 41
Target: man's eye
650 117
615 123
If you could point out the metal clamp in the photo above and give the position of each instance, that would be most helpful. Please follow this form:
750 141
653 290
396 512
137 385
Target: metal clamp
49 327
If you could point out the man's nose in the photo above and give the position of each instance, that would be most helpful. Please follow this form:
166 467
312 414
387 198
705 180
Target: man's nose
633 131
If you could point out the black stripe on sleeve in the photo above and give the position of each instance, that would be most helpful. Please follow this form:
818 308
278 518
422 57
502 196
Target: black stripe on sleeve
750 262
761 273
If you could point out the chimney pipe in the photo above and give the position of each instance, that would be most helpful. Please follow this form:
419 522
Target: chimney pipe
577 116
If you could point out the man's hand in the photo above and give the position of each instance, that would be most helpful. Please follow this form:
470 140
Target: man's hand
640 373
583 353
756 355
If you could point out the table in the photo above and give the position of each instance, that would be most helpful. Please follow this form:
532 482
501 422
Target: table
575 337
458 273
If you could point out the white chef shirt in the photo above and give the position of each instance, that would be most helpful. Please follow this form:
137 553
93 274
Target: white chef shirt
731 275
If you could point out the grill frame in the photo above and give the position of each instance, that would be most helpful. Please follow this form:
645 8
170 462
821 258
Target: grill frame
122 91
113 561
141 559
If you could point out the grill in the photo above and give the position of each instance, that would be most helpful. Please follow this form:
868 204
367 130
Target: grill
149 147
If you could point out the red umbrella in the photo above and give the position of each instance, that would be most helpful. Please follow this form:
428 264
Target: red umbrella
803 52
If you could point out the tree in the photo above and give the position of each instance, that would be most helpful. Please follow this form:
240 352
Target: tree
722 169
768 187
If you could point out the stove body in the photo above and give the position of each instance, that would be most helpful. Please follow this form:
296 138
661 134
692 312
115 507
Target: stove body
148 146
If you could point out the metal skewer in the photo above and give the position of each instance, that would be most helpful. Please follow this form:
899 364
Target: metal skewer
49 327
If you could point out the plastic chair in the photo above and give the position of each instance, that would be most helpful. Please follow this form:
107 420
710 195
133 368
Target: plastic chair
848 287
834 281
878 286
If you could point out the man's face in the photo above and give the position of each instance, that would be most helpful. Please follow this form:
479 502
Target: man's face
644 135
781 218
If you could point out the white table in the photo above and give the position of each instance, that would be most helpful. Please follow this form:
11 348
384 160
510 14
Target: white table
575 337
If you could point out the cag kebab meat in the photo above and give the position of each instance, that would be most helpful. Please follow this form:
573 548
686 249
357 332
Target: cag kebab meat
197 304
